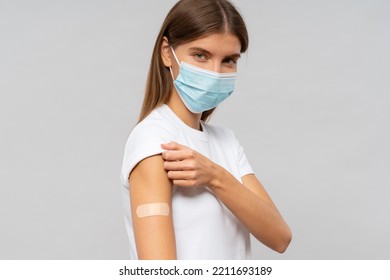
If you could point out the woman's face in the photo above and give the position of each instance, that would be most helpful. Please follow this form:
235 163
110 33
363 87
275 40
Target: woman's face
216 52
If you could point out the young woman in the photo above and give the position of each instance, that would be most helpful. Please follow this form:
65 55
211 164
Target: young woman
189 191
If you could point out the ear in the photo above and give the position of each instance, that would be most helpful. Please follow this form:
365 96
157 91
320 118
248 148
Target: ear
166 52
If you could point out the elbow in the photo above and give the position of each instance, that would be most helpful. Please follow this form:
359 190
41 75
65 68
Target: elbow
284 242
278 241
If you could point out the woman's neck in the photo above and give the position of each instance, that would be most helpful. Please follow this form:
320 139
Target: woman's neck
178 107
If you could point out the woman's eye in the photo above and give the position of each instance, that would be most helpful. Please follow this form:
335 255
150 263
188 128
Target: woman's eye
200 56
229 61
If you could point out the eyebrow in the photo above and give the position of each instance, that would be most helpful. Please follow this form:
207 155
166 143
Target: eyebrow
234 55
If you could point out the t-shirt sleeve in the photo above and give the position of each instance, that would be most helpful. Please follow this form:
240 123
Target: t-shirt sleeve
243 163
244 166
144 141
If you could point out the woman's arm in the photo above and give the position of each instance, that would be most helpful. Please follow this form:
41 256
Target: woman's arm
249 201
253 207
154 235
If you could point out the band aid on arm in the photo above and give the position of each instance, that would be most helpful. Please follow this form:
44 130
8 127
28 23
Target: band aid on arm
152 209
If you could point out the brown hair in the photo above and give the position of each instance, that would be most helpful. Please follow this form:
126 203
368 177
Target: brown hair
189 20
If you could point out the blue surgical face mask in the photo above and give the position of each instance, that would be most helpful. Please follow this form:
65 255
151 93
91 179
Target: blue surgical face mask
200 89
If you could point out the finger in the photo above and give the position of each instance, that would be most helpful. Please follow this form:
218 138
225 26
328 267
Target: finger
173 155
178 155
179 165
181 175
173 146
185 183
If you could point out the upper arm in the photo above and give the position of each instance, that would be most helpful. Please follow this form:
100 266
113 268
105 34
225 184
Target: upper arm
154 235
252 183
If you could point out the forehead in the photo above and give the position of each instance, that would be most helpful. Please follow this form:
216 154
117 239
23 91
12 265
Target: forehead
226 44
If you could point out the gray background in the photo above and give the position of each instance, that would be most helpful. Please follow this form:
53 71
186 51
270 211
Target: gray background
311 109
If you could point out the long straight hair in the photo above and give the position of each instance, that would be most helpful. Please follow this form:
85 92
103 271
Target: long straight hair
189 20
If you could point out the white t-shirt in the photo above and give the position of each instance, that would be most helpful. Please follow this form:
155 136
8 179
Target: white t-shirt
204 227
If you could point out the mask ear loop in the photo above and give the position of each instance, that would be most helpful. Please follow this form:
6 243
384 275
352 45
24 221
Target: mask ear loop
170 67
174 54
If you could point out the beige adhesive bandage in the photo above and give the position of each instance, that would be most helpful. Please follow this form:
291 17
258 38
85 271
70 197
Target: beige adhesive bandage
152 209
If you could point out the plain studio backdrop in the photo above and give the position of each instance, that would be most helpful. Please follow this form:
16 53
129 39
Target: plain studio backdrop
311 109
